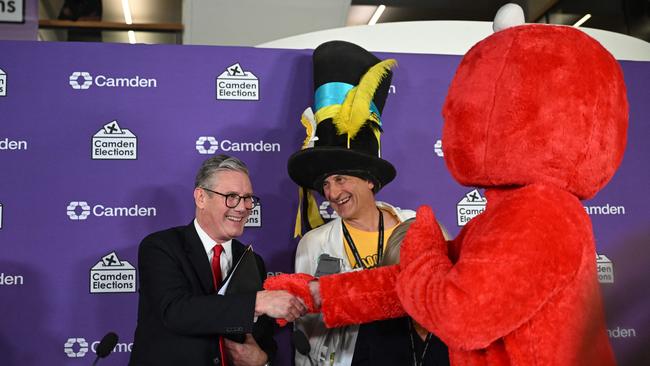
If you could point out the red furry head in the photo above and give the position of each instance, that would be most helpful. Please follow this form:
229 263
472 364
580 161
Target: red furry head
536 103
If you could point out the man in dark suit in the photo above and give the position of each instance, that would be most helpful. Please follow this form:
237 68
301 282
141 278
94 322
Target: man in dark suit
181 318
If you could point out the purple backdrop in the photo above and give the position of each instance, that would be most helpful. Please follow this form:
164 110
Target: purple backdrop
65 216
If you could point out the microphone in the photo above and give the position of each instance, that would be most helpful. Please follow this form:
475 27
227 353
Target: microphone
301 343
327 265
106 346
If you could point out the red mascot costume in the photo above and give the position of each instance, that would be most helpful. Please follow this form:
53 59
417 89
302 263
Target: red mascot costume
547 111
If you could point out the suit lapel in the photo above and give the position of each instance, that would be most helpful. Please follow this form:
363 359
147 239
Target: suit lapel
198 258
237 252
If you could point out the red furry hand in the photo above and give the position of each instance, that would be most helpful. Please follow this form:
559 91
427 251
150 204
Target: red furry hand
296 284
423 236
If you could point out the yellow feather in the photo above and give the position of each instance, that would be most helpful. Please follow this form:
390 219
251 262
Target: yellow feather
309 123
355 110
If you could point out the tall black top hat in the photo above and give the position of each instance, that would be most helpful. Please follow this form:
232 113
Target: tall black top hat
351 86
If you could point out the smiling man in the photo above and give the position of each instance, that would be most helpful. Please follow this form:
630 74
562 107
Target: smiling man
345 166
181 318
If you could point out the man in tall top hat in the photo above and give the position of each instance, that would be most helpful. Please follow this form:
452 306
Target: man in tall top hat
341 159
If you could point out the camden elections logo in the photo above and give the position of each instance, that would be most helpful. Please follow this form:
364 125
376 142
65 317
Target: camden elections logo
3 83
81 210
83 80
112 275
605 269
209 145
114 143
75 347
12 11
237 84
255 218
470 206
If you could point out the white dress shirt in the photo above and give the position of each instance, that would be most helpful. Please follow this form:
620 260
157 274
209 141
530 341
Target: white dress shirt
208 244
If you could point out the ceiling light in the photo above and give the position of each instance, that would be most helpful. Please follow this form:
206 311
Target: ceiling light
582 20
377 14
126 8
132 37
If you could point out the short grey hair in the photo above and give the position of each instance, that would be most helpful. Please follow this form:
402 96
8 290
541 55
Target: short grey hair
216 164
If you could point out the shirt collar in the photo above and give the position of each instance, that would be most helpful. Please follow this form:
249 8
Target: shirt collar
209 243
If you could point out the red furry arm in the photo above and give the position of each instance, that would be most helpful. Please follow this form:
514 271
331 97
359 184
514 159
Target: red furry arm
365 296
422 237
360 297
296 284
513 258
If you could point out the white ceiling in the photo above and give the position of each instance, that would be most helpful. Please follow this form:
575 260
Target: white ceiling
270 21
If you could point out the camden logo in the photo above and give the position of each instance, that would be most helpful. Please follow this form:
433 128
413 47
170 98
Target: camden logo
605 269
605 209
619 332
11 280
11 145
3 83
83 80
255 217
326 211
79 347
469 207
81 210
114 143
437 148
112 275
80 80
236 84
75 347
78 210
209 145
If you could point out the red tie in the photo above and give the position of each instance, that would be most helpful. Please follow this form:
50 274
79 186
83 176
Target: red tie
216 265
216 278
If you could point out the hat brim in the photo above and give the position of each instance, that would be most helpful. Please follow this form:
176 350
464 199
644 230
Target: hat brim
307 166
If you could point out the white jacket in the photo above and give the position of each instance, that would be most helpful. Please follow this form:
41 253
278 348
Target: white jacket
329 346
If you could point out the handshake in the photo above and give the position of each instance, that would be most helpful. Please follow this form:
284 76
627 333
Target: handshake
361 296
288 297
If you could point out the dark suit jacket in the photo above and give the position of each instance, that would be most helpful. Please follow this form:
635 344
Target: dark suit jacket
180 317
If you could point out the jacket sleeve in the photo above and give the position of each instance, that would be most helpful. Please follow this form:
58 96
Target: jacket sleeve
512 261
166 286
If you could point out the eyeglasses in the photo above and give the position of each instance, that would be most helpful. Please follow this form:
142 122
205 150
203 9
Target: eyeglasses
233 199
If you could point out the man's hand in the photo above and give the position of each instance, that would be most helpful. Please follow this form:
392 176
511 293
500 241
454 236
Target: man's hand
248 353
298 284
279 304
